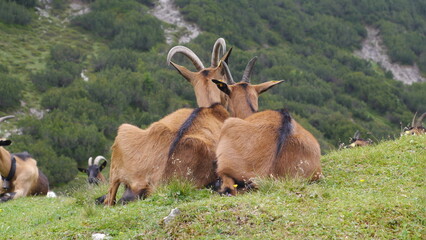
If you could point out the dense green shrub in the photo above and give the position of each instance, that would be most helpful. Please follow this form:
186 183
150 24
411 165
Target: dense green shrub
126 23
63 66
414 97
13 13
10 91
123 58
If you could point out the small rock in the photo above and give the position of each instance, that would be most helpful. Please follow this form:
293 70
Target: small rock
171 216
51 194
100 236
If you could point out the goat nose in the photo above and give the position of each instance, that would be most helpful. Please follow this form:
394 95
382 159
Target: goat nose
92 180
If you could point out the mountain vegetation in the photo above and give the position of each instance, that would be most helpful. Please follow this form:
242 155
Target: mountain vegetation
122 50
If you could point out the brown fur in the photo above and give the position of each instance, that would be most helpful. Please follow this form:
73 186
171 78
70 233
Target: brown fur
140 157
28 179
247 148
359 143
206 92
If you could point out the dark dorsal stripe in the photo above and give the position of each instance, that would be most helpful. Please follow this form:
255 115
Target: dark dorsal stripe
284 131
23 155
183 129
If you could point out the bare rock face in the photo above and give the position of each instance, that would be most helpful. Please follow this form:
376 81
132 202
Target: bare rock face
373 49
184 31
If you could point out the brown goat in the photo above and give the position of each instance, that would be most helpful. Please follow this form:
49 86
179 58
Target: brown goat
206 92
20 174
180 145
416 127
267 143
94 170
356 141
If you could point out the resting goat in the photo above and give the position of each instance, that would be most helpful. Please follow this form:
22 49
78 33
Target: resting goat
94 170
356 141
180 145
267 143
206 92
416 127
20 175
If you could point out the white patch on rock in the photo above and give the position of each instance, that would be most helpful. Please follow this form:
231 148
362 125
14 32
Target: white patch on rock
39 114
78 8
169 13
373 49
85 78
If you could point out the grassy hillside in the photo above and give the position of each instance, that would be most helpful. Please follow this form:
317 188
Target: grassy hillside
376 192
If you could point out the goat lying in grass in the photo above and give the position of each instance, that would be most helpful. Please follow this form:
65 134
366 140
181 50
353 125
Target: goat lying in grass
416 127
267 143
180 145
20 175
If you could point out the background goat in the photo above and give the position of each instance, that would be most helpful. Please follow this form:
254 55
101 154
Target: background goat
268 143
356 141
20 174
94 170
416 127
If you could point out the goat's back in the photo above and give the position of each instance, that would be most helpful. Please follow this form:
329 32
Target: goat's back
194 155
253 146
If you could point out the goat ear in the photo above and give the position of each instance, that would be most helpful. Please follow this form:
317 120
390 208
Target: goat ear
5 142
103 165
188 75
222 86
83 170
263 87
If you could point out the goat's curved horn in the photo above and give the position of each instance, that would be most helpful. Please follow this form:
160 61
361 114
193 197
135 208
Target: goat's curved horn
413 122
420 120
97 159
248 70
229 78
218 45
6 117
90 162
188 53
356 135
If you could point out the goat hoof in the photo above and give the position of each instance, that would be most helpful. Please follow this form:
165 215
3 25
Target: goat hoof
100 200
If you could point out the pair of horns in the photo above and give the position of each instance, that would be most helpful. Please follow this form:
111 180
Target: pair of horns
419 121
6 117
356 135
218 45
247 72
97 159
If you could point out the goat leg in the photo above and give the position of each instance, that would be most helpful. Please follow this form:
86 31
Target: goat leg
7 196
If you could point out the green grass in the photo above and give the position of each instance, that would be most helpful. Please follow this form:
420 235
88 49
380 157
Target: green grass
375 192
